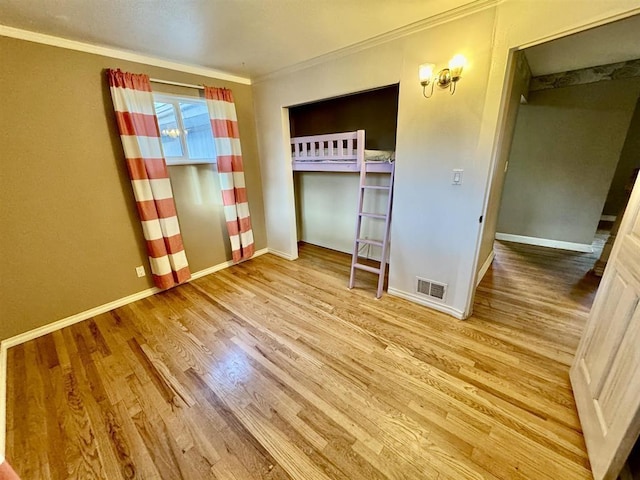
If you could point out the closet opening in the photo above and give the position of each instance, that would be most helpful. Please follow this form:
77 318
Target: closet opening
326 170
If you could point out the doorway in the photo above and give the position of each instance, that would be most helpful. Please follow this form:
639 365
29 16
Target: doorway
553 183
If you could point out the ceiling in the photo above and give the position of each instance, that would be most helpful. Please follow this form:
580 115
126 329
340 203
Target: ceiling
615 42
252 38
249 38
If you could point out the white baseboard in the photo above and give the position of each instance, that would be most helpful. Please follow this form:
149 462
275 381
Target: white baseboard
73 319
44 330
545 242
286 256
223 265
485 267
78 317
608 218
420 300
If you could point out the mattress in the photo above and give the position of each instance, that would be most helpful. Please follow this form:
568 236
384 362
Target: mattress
379 156
369 156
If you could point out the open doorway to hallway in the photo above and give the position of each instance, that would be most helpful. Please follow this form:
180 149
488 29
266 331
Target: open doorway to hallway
570 140
564 166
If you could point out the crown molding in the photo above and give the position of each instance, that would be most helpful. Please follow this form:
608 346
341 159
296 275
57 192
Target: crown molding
580 28
430 22
53 41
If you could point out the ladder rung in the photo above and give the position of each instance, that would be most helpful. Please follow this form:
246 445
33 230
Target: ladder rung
361 214
369 242
367 268
373 215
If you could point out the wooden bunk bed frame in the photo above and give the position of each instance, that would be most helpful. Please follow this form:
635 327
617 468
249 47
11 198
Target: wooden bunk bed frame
333 152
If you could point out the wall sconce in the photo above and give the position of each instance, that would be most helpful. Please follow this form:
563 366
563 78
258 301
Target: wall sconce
445 78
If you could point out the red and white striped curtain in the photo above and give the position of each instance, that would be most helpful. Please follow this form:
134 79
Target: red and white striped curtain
224 123
135 113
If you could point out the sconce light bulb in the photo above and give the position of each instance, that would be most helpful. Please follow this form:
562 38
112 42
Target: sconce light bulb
456 64
425 72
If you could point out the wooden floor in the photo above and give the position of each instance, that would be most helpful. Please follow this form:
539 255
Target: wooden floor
274 370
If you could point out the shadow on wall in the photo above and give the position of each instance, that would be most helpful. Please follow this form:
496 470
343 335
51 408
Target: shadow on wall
629 160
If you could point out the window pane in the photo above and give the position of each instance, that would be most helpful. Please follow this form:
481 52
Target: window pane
169 131
199 137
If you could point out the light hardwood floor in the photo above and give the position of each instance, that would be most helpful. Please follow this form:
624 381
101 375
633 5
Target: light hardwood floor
275 370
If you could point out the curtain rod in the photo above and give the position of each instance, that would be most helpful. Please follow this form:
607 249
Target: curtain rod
177 84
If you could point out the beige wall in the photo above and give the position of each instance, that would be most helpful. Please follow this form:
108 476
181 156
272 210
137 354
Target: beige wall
629 160
326 203
70 232
565 150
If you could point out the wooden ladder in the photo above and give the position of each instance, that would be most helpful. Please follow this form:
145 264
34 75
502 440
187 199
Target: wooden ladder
384 243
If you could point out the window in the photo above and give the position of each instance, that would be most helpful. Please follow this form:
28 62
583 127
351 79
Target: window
185 130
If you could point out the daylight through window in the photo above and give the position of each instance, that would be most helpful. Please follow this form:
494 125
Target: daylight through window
185 130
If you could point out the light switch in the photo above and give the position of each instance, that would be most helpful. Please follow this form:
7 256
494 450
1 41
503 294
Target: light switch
457 176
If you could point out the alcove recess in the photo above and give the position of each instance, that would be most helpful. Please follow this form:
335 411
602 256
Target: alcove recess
375 111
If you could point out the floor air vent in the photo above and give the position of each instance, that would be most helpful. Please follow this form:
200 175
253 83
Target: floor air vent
431 289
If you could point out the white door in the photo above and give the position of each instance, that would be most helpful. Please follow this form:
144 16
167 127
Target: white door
606 371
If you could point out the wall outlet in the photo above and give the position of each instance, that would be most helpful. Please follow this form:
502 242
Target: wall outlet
140 271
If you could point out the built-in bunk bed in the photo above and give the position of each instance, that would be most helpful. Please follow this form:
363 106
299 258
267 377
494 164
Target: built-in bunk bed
338 152
326 168
345 152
